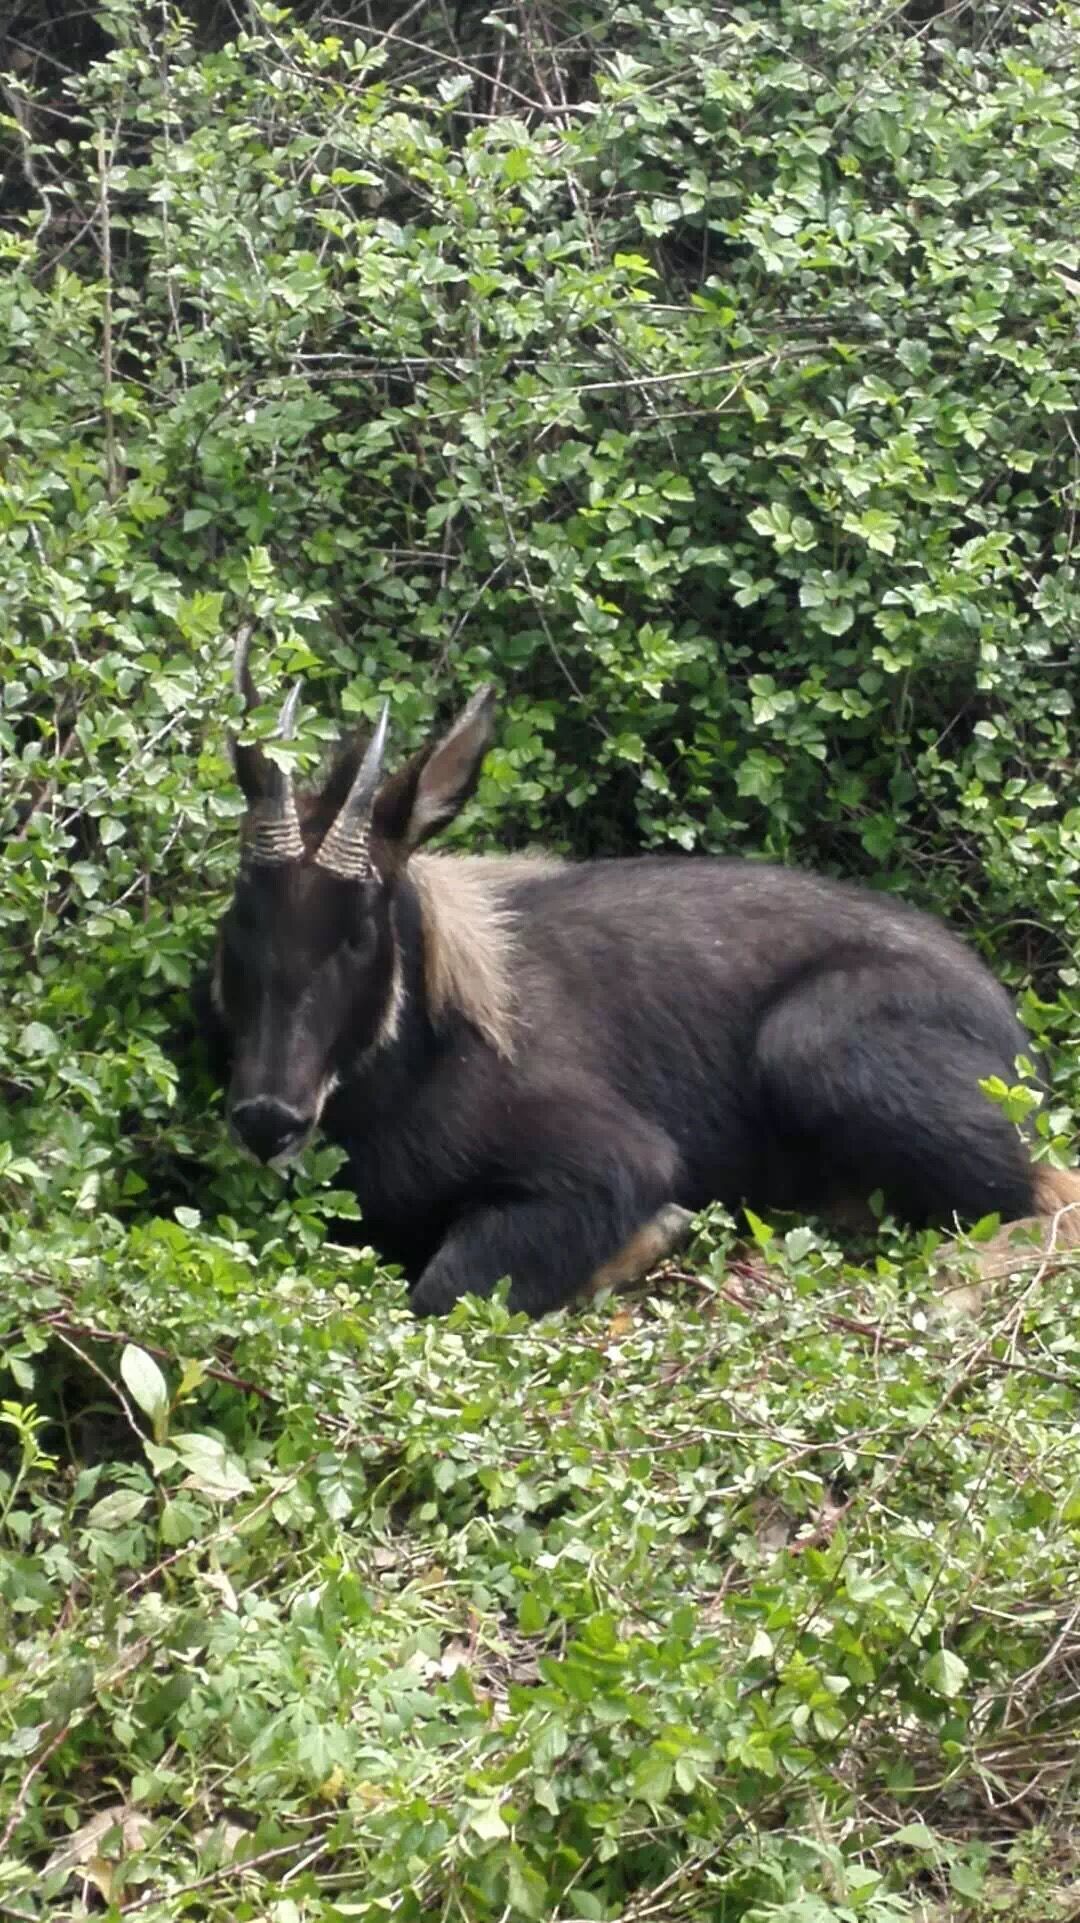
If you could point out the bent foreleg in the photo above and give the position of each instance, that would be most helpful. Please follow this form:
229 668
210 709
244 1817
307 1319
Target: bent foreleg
595 1211
667 1232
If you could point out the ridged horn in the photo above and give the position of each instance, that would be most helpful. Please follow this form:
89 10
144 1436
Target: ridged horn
275 824
345 846
241 668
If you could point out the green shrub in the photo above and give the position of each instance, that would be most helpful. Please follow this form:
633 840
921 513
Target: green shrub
707 380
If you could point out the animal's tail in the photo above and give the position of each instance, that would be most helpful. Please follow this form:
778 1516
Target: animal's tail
1057 1194
1027 1247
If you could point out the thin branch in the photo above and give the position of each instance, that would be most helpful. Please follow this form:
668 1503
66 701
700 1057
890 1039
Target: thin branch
89 1363
644 381
48 790
20 113
112 469
58 1320
223 1875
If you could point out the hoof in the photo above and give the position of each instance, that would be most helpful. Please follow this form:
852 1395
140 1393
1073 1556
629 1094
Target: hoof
666 1232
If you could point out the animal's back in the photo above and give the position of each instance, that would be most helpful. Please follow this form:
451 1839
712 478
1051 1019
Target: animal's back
668 928
659 975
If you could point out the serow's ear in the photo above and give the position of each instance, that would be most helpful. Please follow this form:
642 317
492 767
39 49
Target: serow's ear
428 792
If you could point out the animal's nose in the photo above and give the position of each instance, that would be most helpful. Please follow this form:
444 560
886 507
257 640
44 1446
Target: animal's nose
269 1128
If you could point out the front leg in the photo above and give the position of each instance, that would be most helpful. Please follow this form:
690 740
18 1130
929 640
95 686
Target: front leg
533 1242
663 1235
542 1283
572 1188
551 1250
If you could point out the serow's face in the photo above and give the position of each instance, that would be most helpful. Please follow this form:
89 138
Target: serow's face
306 979
305 985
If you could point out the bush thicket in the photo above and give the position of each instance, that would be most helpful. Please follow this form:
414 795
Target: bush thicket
707 378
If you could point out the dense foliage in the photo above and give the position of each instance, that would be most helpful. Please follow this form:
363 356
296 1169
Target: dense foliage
707 378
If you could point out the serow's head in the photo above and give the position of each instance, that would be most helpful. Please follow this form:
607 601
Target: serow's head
307 976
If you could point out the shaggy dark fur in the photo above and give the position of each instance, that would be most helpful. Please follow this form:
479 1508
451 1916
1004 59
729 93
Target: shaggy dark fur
683 1030
691 1031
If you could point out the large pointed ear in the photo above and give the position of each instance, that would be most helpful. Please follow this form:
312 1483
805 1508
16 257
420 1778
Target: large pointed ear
428 792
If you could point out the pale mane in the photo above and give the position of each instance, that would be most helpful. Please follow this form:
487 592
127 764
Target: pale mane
469 931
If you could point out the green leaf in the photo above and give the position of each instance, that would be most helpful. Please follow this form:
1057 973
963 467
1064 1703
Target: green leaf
653 1778
916 1836
147 1387
37 1039
211 1468
945 1673
762 1232
532 1615
517 164
526 1889
486 1821
836 619
122 1506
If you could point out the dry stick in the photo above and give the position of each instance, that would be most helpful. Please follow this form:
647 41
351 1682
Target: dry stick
112 472
1031 1676
139 1650
116 1674
165 74
102 1377
720 371
226 1529
20 108
978 1358
465 617
227 1872
466 66
45 794
143 749
518 554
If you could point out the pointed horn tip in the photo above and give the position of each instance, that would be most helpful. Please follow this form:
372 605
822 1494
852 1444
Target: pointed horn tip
287 718
344 847
241 671
373 754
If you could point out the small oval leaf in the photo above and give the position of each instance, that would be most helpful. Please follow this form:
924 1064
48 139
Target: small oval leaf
145 1384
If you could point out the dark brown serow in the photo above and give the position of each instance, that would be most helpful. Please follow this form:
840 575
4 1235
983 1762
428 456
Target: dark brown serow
537 1068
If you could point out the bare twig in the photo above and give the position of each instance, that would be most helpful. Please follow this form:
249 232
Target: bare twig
112 468
59 1321
89 1363
20 110
47 790
223 1875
